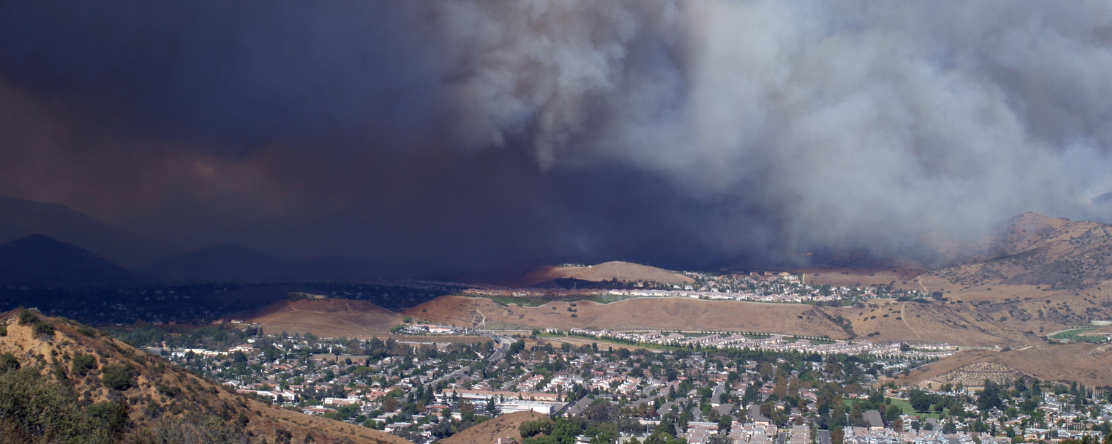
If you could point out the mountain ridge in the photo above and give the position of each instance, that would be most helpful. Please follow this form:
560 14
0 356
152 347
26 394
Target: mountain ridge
41 259
21 217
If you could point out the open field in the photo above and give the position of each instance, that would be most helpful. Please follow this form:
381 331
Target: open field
579 342
905 405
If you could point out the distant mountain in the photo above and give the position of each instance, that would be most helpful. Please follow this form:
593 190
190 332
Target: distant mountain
20 218
40 259
224 263
233 263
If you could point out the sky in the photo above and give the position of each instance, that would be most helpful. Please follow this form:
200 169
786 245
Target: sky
458 135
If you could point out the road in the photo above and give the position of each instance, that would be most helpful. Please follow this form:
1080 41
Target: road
903 316
456 374
576 408
502 344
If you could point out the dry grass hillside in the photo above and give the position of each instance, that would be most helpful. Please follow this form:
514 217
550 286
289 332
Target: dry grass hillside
986 314
152 390
622 271
325 318
632 314
1085 363
1033 249
911 322
505 426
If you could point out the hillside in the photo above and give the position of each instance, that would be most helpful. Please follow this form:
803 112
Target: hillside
614 270
40 259
1033 249
327 318
1085 363
87 384
631 314
505 426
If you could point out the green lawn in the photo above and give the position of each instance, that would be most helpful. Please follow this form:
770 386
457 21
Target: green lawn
1077 335
906 406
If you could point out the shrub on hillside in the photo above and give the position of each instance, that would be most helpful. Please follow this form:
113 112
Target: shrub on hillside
117 377
109 415
82 364
3 330
27 317
33 410
43 328
200 430
87 331
8 362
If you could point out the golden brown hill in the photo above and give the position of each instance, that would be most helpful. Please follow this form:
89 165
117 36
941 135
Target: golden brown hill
632 314
326 318
1033 249
151 391
957 324
1014 323
622 271
505 426
1085 363
987 314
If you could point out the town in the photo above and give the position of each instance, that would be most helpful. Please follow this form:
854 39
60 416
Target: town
598 387
766 286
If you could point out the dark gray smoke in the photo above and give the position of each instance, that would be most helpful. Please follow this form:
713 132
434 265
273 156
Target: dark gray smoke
466 133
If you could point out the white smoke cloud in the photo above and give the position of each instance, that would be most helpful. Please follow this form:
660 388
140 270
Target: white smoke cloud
853 123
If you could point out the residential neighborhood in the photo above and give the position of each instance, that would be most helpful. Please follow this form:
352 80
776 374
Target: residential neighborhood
703 389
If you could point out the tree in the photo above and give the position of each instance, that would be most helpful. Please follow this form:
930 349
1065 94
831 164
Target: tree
920 401
892 413
989 397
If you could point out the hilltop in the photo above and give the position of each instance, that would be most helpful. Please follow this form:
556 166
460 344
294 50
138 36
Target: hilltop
607 271
327 318
87 384
505 426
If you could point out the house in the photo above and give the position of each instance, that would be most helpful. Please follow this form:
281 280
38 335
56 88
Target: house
876 423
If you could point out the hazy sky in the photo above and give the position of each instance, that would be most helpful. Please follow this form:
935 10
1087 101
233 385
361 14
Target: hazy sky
460 134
